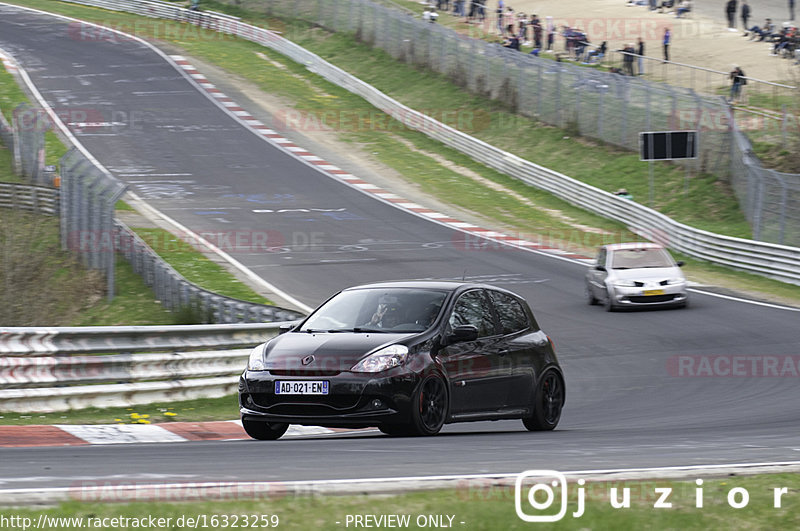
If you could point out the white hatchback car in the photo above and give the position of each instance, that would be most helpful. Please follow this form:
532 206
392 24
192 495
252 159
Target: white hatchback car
635 274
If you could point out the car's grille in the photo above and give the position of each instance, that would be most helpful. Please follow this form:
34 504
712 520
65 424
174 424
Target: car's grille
651 298
303 372
305 405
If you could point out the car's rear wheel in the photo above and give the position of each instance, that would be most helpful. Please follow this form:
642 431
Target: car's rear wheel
547 403
264 431
429 406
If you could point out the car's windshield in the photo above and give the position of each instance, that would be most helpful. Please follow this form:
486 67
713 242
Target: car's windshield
377 310
643 257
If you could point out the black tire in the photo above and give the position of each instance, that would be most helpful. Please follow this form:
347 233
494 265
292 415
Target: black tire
264 431
547 403
608 303
590 298
395 430
429 406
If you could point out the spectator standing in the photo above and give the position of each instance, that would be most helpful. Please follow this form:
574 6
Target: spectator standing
537 32
627 59
666 41
551 32
738 80
640 53
745 15
730 11
500 8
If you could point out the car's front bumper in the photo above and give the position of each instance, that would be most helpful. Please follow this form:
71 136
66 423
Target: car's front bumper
353 400
674 295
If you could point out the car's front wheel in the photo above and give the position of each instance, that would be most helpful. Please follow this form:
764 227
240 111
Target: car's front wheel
264 431
590 298
429 405
547 403
608 303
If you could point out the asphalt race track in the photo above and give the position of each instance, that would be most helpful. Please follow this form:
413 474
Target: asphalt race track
632 401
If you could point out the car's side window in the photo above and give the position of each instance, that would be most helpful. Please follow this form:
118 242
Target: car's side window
472 308
513 317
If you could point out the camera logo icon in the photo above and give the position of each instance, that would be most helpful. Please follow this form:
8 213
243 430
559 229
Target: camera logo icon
534 494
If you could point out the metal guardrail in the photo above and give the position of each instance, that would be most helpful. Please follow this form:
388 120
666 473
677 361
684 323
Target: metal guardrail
31 198
57 369
772 260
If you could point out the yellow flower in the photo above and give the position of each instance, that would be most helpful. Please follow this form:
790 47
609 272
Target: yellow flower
143 421
117 420
135 415
145 416
170 414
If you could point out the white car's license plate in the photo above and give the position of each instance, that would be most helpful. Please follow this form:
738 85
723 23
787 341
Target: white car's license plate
305 387
649 292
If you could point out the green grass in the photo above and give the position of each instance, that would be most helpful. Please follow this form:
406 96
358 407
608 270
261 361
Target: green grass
195 267
11 94
133 304
206 409
477 505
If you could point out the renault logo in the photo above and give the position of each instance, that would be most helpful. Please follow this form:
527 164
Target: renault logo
307 360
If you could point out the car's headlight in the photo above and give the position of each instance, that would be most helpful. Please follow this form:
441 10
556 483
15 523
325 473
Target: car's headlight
625 283
256 360
385 358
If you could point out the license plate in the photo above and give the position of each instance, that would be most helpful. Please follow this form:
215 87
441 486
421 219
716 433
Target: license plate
654 292
305 387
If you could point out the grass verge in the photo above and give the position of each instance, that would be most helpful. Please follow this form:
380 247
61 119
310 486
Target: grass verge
472 505
200 410
195 267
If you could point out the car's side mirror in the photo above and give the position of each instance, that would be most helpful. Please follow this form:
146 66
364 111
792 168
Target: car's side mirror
680 263
286 327
600 267
463 333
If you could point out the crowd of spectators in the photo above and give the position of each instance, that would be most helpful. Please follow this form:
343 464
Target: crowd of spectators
520 29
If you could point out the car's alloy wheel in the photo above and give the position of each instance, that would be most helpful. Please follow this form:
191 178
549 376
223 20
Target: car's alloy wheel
547 403
430 406
264 431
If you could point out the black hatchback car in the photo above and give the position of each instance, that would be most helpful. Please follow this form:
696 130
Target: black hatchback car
407 357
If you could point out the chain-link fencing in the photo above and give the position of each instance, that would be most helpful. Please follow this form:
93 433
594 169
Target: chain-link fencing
30 125
88 198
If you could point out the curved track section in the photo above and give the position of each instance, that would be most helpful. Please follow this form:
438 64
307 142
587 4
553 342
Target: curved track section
710 384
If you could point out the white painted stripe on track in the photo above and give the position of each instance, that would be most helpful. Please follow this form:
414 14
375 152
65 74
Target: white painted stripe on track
121 433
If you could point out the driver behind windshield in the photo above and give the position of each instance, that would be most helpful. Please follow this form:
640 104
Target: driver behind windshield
388 313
